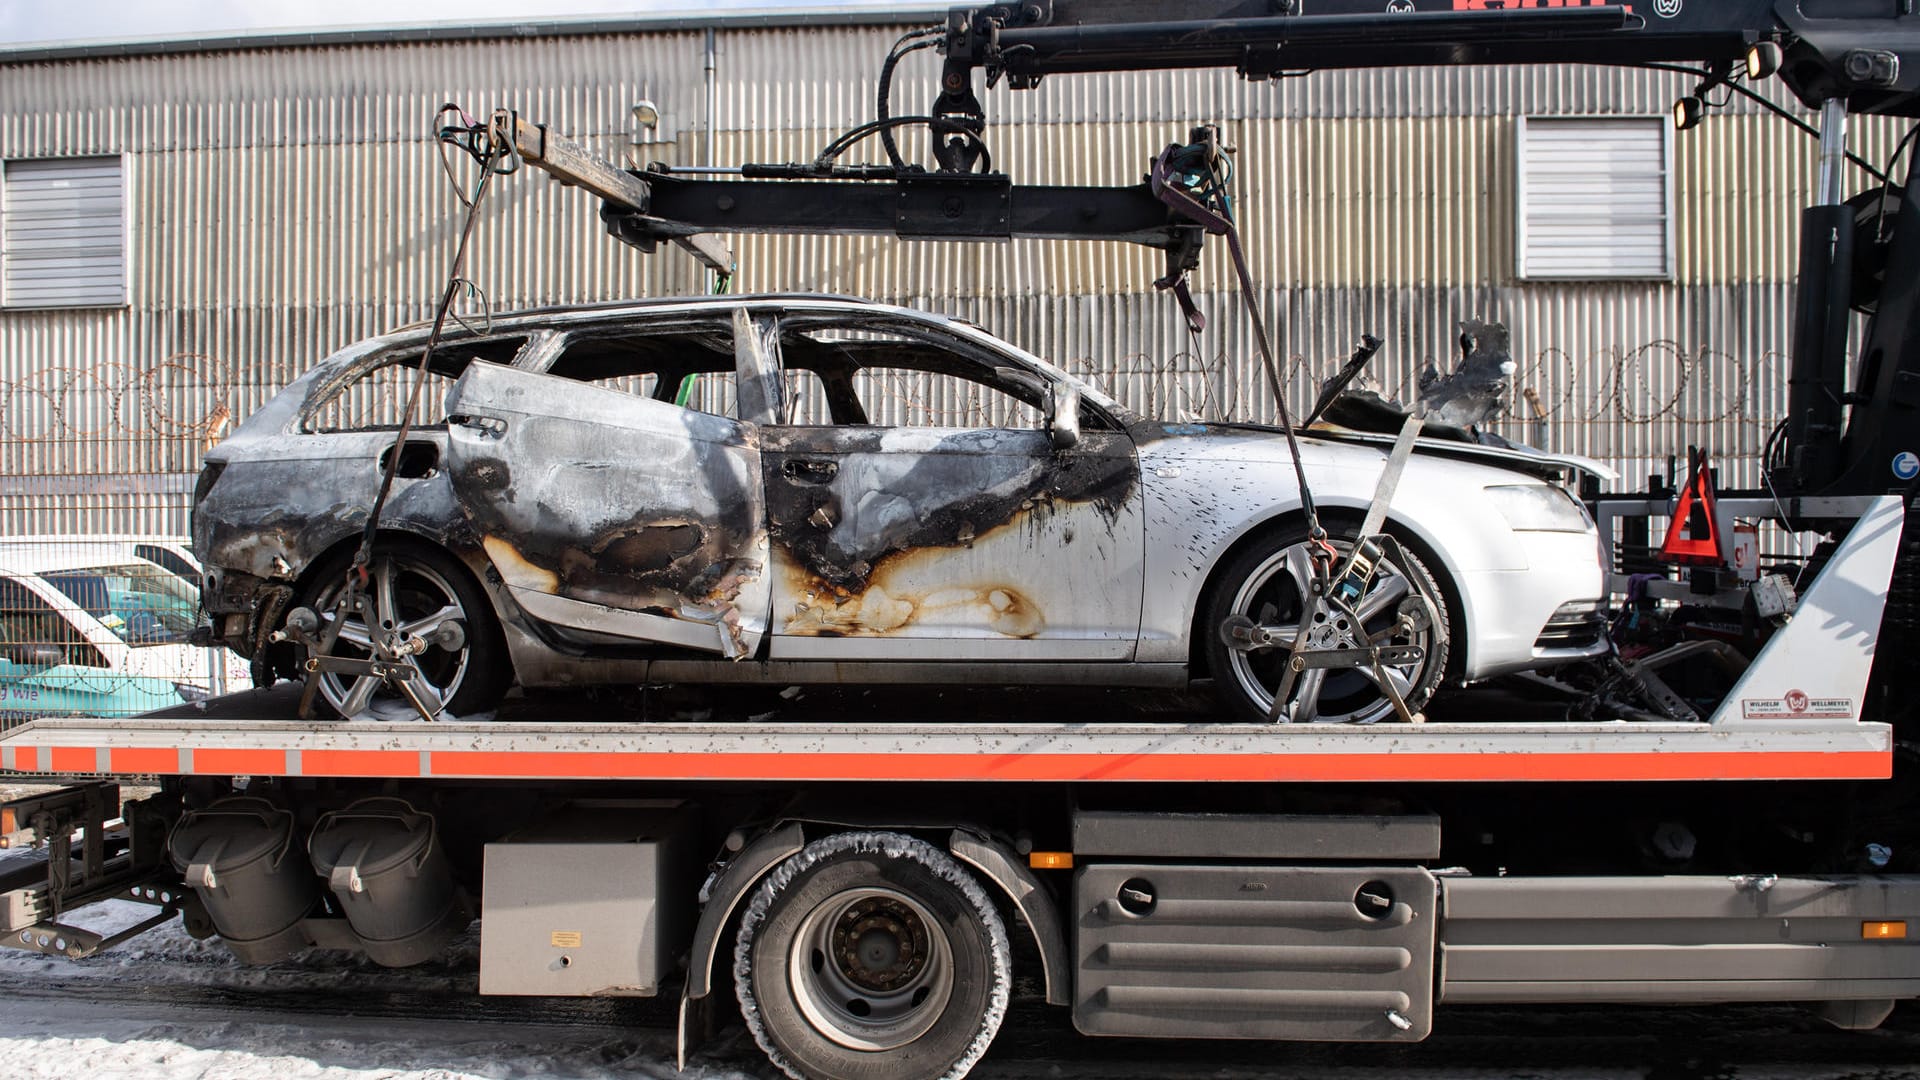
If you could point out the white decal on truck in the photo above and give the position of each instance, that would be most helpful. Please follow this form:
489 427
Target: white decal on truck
1797 705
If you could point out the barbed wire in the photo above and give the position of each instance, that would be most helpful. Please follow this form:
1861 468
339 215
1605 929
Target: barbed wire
182 396
1658 381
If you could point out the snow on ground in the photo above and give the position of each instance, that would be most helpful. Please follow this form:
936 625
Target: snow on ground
108 1047
164 1006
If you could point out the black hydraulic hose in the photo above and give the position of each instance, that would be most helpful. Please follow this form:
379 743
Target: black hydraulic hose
919 39
853 135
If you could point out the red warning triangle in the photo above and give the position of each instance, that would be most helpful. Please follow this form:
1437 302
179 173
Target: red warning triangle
1693 539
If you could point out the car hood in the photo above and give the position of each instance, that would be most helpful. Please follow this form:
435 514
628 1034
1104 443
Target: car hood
1525 459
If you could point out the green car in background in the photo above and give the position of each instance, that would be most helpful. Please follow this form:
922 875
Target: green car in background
88 629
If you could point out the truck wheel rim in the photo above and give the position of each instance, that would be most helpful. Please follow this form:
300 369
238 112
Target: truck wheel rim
871 969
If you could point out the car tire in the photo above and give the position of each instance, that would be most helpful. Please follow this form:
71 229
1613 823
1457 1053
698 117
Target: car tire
872 956
426 583
1261 582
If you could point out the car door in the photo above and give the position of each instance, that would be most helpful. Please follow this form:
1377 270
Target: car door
920 510
608 500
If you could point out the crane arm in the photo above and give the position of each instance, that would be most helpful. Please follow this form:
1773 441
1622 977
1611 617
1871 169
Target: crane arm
1866 51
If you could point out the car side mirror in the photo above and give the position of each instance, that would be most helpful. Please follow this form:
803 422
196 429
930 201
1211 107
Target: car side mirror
1063 416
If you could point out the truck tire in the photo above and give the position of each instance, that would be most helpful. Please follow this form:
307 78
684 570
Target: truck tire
872 956
424 583
1264 582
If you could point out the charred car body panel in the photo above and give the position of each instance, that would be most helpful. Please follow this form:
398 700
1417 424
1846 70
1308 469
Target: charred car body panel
989 542
638 487
625 515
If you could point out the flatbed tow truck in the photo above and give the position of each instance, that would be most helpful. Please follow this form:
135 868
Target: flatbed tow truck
868 868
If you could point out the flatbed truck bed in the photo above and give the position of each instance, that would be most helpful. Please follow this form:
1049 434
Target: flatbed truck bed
257 733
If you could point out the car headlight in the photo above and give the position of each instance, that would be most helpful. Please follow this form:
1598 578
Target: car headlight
190 692
1539 508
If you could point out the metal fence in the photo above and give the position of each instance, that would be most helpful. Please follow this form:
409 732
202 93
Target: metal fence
103 625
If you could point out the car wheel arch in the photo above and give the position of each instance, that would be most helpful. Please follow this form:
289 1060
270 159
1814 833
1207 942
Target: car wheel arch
472 564
1418 539
383 538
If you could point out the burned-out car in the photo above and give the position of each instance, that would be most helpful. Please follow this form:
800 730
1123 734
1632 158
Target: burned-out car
783 489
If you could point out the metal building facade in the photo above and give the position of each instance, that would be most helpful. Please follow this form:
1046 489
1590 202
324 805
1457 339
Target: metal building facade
284 197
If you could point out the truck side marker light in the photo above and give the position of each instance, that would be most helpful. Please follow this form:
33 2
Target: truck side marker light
1050 860
1892 930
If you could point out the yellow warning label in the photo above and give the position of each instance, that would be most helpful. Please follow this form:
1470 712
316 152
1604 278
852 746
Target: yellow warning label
566 939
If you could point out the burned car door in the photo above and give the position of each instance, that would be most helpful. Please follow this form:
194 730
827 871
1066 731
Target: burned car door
922 508
609 501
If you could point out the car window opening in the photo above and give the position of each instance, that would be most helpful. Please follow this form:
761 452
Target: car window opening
141 605
373 397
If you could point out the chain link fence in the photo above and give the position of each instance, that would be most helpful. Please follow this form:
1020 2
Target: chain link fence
103 625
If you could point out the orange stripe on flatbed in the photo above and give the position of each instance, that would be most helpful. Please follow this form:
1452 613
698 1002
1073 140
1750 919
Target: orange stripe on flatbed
1411 767
360 763
72 759
240 762
144 759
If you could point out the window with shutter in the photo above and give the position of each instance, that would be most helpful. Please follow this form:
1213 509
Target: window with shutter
63 233
1595 198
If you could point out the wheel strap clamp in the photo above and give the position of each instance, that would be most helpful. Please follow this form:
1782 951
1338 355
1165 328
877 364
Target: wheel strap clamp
1357 560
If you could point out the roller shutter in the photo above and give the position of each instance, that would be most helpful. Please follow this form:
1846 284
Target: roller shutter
1595 198
63 233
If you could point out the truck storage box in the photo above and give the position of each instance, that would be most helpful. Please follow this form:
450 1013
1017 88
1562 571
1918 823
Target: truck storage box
595 899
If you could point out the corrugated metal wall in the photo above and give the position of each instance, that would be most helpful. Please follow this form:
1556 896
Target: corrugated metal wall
284 202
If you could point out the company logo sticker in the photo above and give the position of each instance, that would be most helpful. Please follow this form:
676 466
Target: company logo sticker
1509 5
1666 9
1906 465
1797 705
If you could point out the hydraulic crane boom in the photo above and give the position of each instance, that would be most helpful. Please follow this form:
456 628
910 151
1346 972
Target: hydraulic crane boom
1839 56
1866 52
1870 61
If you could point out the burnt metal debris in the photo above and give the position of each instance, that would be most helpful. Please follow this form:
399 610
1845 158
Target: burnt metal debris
1476 391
